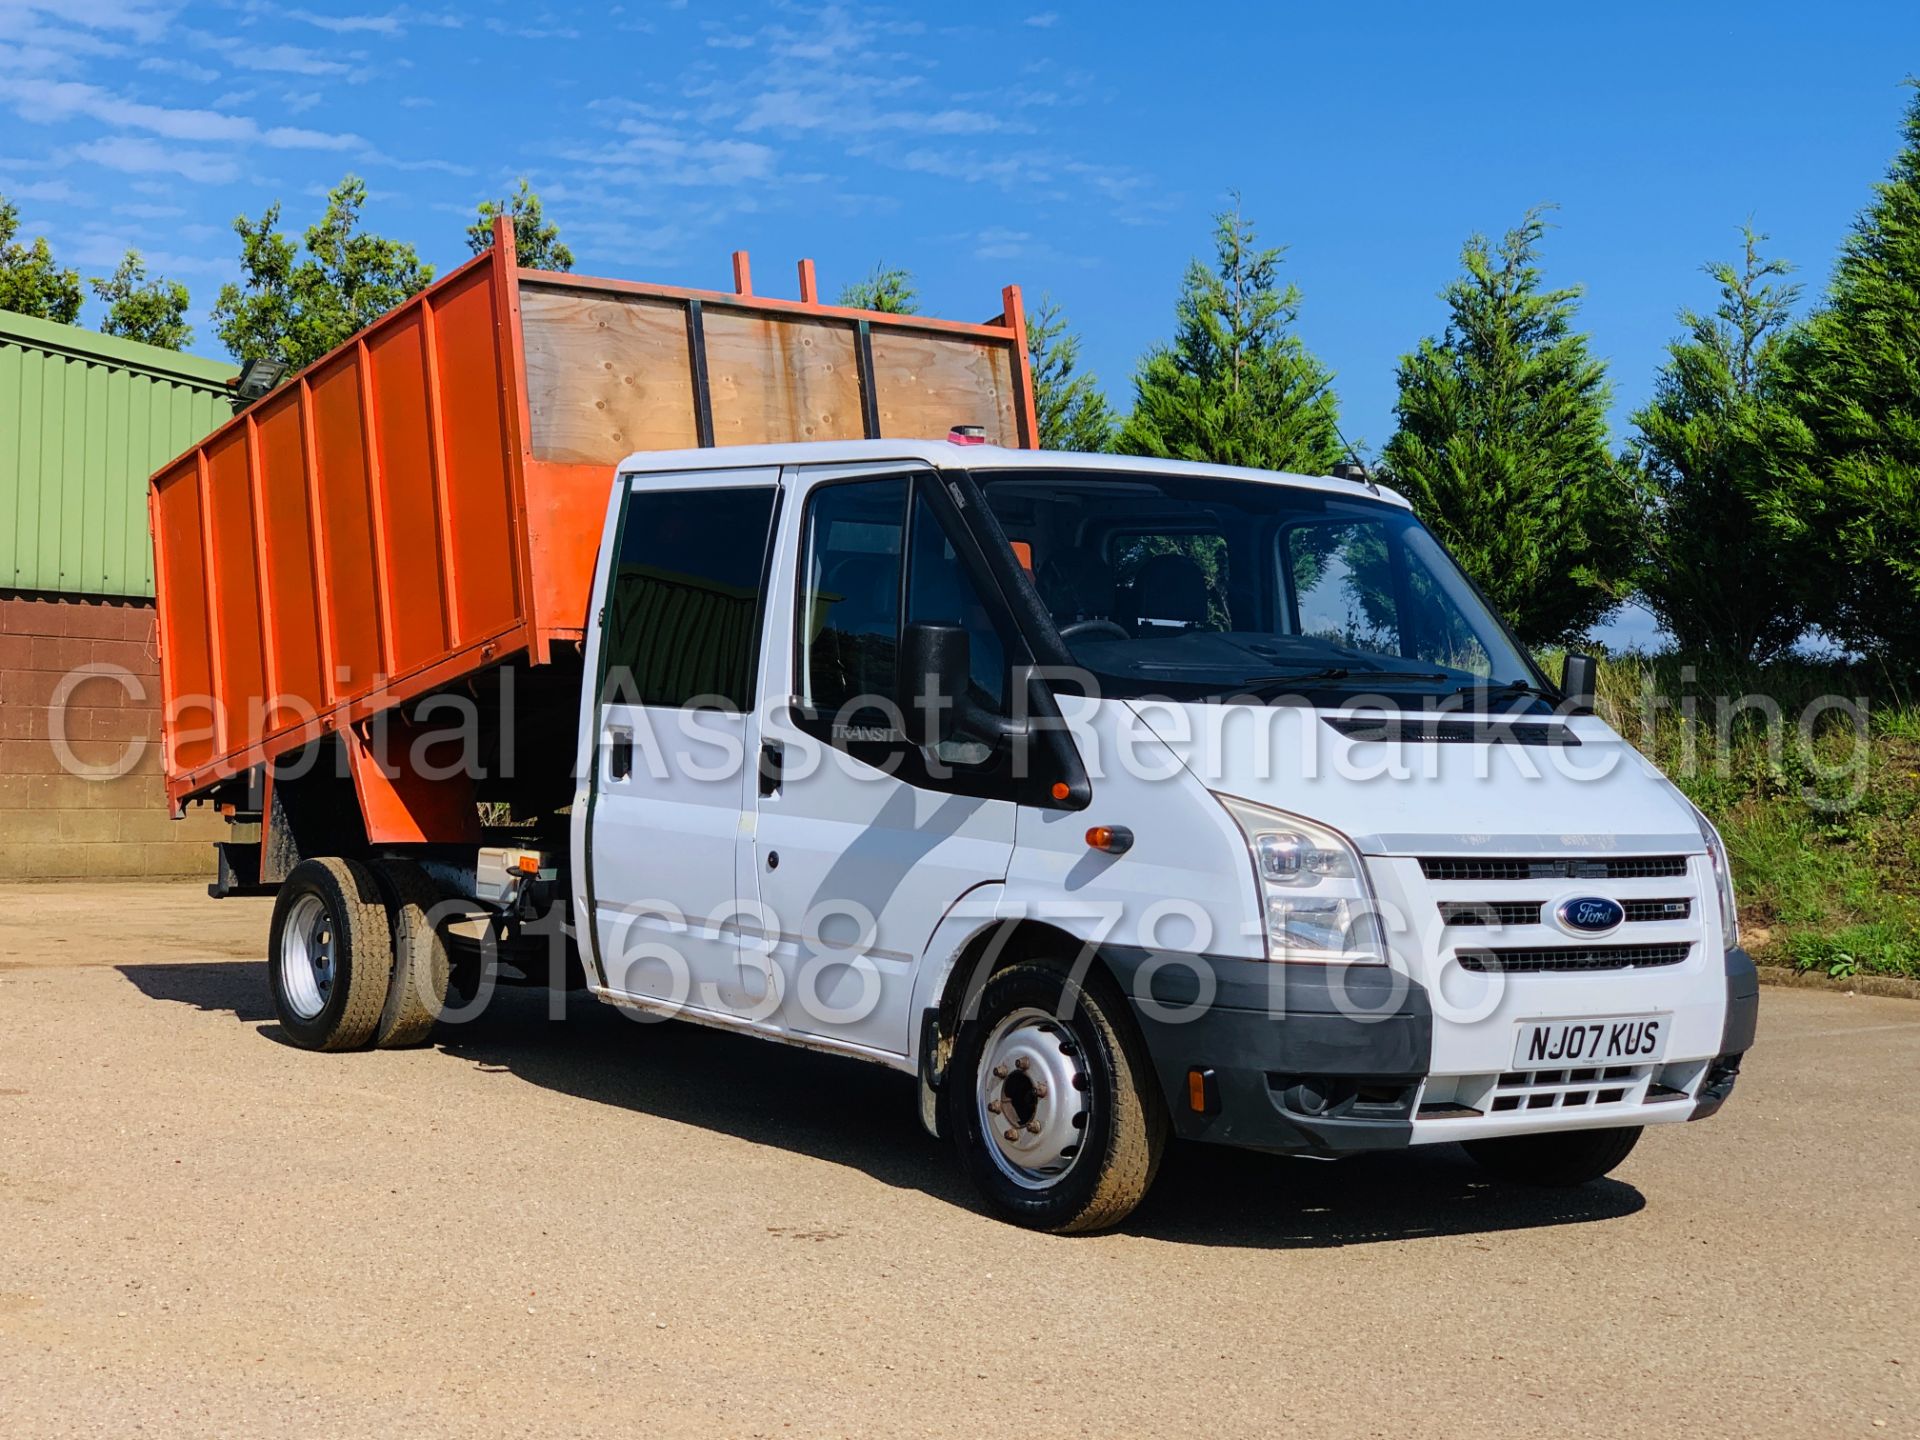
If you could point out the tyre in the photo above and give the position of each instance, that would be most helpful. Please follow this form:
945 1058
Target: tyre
329 954
1570 1157
1058 1121
417 994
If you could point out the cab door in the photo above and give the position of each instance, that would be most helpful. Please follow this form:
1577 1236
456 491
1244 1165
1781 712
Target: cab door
678 657
862 841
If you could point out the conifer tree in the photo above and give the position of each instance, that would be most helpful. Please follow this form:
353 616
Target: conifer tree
1711 570
1067 402
1236 386
889 289
1502 443
1843 490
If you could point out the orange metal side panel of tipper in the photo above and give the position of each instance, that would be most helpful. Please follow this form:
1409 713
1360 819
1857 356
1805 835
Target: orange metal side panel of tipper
411 509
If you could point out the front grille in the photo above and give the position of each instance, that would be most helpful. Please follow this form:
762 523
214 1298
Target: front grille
1490 912
1565 1089
1646 910
1582 958
1527 912
1629 867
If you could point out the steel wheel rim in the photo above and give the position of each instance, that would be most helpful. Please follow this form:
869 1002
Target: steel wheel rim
308 957
1034 1098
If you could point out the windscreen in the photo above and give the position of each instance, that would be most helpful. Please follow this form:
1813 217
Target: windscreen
1194 586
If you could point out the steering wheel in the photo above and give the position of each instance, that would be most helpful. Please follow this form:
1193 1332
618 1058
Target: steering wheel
1095 626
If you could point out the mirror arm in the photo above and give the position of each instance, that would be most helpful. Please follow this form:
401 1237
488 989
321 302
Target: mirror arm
983 722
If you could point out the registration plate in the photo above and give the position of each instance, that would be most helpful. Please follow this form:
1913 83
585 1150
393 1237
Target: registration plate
1598 1040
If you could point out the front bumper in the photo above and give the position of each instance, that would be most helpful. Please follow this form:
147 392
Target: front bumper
1320 1061
1302 1059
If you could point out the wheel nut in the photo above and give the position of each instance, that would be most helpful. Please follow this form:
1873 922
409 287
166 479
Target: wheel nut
1021 1063
1000 1072
1039 1092
1013 1134
1033 1127
993 1107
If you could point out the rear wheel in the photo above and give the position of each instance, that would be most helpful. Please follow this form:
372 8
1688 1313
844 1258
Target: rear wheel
1051 1101
418 991
329 954
1567 1158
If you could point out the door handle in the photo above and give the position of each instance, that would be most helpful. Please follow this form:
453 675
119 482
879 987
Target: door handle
773 757
619 753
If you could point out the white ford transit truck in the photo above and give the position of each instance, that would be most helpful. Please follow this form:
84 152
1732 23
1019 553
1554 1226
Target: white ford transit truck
1112 799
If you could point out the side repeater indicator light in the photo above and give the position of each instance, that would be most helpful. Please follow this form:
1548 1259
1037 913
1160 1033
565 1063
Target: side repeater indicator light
1111 839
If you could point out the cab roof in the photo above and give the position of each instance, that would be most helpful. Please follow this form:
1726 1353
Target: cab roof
946 455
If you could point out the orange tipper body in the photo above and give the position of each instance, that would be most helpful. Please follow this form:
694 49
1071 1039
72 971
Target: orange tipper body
425 501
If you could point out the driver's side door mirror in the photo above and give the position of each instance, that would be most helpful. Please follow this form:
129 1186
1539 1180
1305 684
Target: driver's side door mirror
936 662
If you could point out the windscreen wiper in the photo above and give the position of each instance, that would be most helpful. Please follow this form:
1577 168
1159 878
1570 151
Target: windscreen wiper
1511 687
1340 672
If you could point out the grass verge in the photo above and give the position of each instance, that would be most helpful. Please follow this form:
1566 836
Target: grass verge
1812 773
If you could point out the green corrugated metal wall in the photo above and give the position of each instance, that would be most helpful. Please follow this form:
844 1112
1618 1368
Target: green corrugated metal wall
85 418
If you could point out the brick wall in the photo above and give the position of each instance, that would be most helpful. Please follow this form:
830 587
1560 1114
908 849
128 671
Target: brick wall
55 824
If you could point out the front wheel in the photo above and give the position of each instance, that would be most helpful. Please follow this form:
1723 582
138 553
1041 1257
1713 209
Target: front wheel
1562 1159
329 954
1051 1101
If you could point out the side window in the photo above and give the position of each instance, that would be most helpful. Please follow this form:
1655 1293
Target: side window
849 610
861 546
683 614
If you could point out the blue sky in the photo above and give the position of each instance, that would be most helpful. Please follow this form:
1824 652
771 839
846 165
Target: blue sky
1077 150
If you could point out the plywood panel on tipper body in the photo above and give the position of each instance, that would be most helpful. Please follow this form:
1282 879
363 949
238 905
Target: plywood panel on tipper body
606 375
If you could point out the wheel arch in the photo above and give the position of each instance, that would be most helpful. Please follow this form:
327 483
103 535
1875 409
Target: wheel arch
967 951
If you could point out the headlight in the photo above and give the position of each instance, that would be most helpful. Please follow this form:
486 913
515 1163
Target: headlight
1313 890
1722 878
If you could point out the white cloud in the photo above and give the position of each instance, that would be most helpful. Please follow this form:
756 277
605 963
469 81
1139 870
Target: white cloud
135 156
139 210
1045 20
298 102
534 32
388 24
652 155
272 59
46 101
185 69
44 192
392 22
971 166
288 137
49 101
444 167
99 247
998 243
815 110
141 19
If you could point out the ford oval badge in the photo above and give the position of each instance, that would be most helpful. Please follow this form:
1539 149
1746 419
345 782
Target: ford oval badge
1591 914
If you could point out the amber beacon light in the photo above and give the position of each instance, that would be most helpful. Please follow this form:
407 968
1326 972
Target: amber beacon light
1113 839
